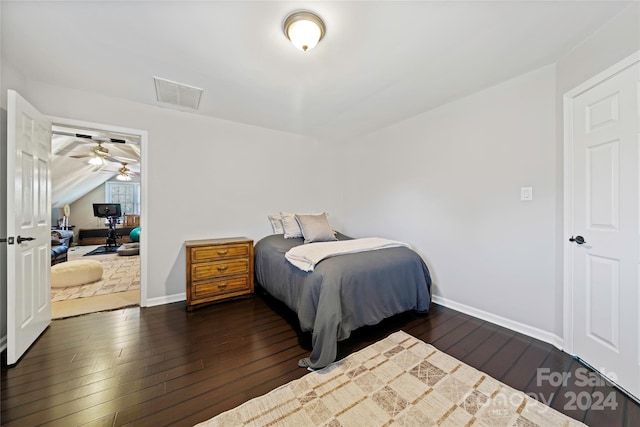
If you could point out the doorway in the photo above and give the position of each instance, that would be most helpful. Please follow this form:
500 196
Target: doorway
96 164
602 219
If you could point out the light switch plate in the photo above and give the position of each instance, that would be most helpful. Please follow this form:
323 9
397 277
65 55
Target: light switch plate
526 193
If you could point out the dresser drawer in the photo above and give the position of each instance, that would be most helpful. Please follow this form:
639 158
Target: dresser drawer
209 253
221 286
208 270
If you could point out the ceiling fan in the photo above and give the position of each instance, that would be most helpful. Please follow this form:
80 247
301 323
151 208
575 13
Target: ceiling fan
99 155
124 173
97 152
67 143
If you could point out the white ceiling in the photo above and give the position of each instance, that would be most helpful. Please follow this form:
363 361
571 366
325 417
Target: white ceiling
379 63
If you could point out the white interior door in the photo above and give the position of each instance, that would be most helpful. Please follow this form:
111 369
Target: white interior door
28 217
605 269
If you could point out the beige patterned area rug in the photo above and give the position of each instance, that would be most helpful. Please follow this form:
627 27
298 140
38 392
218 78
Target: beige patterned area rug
120 274
397 381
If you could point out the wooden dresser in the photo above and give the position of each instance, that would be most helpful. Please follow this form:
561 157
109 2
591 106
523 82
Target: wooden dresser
218 269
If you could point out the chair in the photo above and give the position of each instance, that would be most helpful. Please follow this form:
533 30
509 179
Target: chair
132 220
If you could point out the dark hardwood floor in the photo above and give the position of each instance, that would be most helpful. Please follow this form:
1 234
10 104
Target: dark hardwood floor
163 366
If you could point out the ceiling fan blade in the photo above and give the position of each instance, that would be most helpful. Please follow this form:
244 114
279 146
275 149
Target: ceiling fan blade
118 159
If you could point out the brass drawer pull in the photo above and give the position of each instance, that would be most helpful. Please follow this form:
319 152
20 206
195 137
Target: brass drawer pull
221 286
223 252
222 268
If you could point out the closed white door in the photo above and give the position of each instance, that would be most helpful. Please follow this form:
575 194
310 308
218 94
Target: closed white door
28 224
605 268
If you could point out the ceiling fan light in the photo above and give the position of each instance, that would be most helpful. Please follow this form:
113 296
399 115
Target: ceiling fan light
304 29
96 161
123 177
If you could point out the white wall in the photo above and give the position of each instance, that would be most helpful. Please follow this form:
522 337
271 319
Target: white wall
450 186
206 177
448 182
82 210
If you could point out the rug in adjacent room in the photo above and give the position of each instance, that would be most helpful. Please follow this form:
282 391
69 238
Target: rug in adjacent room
102 250
397 381
120 274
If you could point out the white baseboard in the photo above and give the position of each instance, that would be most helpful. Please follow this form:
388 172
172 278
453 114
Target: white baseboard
168 299
530 331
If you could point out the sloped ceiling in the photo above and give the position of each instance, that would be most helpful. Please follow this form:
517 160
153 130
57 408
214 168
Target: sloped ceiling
72 176
380 62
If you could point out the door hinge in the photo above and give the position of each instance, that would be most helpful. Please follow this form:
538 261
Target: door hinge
8 240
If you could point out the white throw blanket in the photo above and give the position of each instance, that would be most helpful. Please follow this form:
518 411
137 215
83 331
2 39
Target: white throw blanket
305 257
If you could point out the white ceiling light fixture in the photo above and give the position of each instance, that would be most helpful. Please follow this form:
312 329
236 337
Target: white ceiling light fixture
124 173
123 177
98 154
96 160
304 29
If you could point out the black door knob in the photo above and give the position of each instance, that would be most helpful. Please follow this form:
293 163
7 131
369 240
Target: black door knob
578 239
24 239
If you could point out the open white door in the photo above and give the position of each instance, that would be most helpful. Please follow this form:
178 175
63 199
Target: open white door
605 252
28 225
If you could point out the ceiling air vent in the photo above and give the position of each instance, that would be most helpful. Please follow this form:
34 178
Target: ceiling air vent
177 94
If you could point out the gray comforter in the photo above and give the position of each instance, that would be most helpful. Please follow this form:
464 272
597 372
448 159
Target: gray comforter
343 292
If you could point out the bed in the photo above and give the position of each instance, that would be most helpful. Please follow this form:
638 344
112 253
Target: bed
343 292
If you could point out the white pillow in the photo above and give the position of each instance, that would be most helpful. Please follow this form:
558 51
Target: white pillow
290 225
315 228
276 224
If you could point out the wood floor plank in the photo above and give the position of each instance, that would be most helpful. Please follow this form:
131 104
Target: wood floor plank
233 394
472 341
456 335
541 387
632 413
489 348
606 406
164 366
137 376
502 362
567 399
525 369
